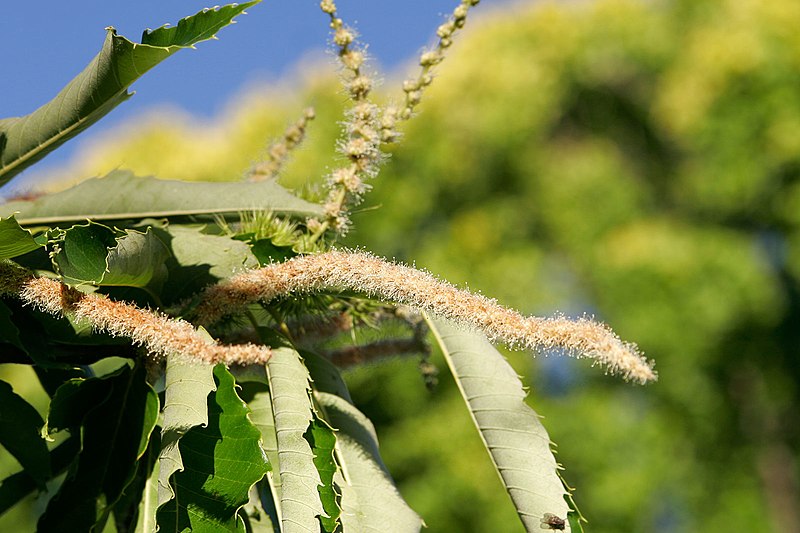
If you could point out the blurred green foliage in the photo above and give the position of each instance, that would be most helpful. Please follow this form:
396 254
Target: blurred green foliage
636 160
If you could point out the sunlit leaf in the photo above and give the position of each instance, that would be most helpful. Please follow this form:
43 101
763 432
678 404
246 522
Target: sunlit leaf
370 500
511 431
323 442
136 260
222 461
269 489
187 386
101 87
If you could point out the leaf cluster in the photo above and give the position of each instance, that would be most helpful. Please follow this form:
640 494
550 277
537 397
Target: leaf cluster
136 442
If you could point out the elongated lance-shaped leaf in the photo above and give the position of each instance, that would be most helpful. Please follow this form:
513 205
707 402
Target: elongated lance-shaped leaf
14 240
101 87
222 463
122 195
268 490
185 406
370 500
511 431
291 402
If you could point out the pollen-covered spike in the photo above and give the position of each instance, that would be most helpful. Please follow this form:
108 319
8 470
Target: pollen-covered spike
392 282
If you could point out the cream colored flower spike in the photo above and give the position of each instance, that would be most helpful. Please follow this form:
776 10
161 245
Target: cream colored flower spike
387 281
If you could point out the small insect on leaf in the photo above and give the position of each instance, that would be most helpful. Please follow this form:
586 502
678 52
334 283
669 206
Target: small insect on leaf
551 521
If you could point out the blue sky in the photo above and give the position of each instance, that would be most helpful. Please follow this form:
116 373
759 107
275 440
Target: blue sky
50 41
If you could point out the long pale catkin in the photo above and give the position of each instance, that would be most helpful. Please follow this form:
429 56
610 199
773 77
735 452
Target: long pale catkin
383 280
159 334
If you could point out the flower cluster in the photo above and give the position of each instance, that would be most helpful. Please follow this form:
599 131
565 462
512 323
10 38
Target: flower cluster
373 277
279 151
367 126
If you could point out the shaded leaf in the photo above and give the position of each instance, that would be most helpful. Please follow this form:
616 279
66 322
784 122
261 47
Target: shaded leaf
223 255
137 260
300 502
116 415
17 486
9 333
222 462
370 500
138 500
511 431
101 87
14 240
122 195
200 260
96 254
259 521
20 426
80 254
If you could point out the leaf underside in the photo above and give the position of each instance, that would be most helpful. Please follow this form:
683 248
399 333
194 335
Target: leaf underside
122 195
300 502
511 431
370 500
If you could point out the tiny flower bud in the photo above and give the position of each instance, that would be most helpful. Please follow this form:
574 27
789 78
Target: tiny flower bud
343 37
328 7
389 135
446 29
359 87
461 11
352 59
410 85
364 112
428 59
414 97
357 148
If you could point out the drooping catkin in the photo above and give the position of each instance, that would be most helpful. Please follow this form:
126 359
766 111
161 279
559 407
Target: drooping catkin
159 334
374 277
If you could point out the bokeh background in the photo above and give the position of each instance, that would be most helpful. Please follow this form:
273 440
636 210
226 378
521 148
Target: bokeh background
636 160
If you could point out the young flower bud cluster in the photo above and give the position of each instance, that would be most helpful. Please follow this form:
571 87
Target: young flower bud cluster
414 88
278 153
363 133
